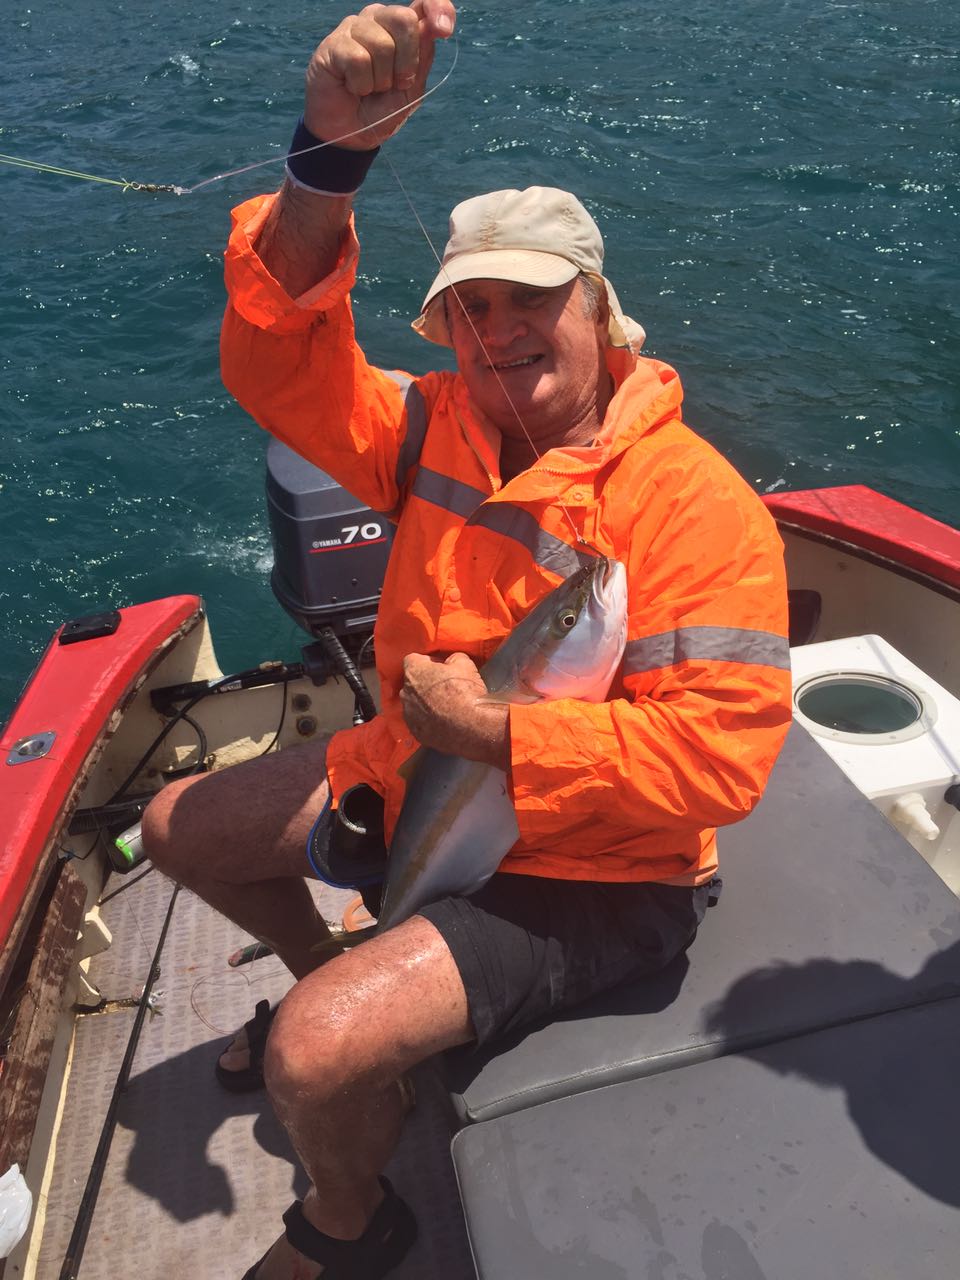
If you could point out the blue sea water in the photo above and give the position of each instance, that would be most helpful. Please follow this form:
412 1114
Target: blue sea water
777 182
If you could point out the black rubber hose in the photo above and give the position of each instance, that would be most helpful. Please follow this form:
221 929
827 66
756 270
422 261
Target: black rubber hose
343 664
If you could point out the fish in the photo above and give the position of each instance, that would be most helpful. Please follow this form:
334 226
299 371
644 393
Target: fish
457 821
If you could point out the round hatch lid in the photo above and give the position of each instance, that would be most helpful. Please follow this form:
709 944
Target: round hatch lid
859 706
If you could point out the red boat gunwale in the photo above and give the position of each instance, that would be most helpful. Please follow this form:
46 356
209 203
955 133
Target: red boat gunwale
872 522
73 692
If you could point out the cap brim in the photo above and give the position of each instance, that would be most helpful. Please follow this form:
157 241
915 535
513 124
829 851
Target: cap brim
523 267
520 266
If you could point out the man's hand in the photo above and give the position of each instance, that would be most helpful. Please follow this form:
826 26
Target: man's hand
440 705
374 63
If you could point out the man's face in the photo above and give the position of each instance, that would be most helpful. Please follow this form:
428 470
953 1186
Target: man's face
541 348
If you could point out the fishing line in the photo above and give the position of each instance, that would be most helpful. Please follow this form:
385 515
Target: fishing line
220 986
407 108
174 189
331 142
136 922
127 185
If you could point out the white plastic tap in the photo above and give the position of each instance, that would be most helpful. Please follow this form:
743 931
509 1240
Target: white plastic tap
910 815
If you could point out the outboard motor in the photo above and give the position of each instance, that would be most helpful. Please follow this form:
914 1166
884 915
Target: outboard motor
330 552
329 558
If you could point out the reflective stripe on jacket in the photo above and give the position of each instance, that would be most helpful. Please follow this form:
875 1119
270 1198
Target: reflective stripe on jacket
628 789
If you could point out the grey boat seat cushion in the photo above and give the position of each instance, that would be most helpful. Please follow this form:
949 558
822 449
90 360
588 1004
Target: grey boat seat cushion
827 914
831 1155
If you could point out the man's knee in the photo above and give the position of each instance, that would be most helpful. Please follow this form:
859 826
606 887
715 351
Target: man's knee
235 823
166 838
366 1017
319 1048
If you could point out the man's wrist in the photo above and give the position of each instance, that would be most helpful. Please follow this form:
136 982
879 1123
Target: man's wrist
323 167
488 735
302 239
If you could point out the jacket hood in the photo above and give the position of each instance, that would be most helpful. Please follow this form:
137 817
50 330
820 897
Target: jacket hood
648 392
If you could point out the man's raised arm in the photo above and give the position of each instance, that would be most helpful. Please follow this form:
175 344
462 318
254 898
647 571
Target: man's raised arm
373 65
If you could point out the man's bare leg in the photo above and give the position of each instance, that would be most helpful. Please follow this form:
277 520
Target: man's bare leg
342 1039
238 839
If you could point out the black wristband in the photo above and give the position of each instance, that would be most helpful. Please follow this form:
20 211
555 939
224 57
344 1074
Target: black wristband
329 170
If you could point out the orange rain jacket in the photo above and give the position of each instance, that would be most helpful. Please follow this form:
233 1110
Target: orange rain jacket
625 790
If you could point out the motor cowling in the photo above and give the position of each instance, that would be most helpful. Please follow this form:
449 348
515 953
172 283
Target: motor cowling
330 551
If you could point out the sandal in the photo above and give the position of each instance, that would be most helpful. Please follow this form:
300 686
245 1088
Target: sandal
384 1244
246 1079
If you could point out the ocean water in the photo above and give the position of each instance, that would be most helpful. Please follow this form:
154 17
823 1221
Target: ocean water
777 183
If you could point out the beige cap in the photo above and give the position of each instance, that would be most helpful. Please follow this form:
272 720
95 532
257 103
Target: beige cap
541 236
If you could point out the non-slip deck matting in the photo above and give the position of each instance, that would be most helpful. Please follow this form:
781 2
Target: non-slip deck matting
197 1178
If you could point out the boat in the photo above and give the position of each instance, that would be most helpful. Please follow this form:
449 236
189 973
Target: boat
779 1103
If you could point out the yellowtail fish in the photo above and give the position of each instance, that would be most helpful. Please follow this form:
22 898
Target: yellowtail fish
457 821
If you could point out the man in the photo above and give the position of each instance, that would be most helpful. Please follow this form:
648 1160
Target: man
552 442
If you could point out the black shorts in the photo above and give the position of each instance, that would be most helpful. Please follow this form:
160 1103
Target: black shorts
527 947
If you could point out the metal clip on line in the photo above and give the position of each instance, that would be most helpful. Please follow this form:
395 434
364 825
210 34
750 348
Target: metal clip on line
151 186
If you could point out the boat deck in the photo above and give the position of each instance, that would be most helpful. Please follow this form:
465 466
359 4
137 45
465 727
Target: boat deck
836 946
197 1178
830 922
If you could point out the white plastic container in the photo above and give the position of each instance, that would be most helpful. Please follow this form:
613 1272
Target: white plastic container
895 733
16 1204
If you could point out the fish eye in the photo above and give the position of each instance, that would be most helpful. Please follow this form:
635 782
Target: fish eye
568 619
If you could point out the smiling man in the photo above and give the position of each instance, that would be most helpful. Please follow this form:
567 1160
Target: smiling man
521 298
553 441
